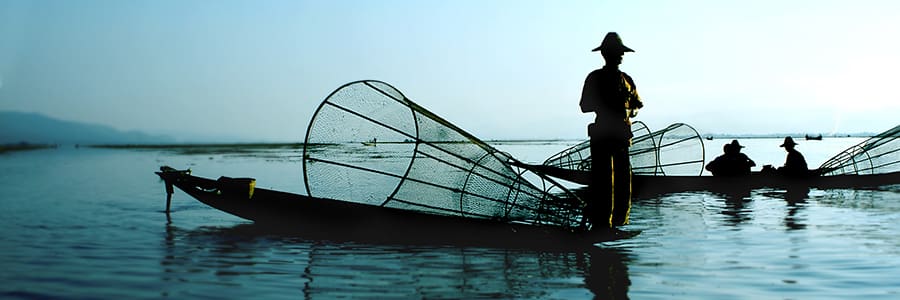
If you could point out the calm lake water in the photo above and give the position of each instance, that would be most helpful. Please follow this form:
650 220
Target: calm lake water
90 223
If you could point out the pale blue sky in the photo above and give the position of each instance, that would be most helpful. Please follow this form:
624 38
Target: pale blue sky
498 69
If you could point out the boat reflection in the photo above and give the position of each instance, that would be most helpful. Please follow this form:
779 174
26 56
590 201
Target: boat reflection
263 262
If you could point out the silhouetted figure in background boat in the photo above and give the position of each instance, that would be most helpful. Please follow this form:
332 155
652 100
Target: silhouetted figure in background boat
612 96
731 164
795 164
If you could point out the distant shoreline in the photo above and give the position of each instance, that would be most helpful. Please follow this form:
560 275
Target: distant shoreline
4 148
197 145
204 147
494 141
794 135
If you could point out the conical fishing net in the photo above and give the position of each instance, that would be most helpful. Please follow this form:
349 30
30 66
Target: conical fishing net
367 143
643 151
877 155
578 157
675 150
680 150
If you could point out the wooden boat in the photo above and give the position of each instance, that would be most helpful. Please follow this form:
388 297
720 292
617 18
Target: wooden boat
372 142
337 219
431 181
648 184
813 137
872 163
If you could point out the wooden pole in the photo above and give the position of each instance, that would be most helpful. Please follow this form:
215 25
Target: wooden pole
169 191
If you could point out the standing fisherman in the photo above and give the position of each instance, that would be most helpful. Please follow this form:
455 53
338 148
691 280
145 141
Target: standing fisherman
612 96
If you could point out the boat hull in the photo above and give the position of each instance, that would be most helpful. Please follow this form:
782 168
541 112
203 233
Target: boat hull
647 185
650 185
320 218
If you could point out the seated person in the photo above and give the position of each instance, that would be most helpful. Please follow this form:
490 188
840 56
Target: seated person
795 164
731 164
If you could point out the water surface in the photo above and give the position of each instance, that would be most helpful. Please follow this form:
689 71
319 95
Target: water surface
89 223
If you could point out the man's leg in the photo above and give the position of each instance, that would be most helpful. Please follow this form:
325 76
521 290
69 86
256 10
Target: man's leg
601 189
622 187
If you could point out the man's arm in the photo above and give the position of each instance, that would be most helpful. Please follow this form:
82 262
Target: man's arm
588 101
634 100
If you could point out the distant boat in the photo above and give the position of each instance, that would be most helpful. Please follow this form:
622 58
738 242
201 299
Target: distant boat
814 138
709 138
373 142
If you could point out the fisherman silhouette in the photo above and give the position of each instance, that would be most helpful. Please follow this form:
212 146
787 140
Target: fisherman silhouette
612 96
731 164
795 164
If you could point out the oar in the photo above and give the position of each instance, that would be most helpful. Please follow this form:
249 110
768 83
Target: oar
169 191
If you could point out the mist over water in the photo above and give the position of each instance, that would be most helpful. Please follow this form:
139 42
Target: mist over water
89 223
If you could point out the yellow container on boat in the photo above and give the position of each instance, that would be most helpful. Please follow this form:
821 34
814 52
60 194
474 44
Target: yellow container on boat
237 186
251 186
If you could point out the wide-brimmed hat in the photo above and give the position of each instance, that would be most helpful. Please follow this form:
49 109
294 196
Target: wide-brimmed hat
612 42
734 143
788 141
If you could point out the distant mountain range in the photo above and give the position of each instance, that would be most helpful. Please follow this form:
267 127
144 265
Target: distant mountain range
32 128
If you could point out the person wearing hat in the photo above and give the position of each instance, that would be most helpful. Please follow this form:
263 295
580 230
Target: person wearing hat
795 164
612 96
731 164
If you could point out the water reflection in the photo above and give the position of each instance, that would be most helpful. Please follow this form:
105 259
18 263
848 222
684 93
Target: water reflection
735 206
606 273
795 200
884 199
272 264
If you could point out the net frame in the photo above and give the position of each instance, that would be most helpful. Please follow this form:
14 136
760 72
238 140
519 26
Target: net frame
671 139
578 157
875 155
645 143
547 203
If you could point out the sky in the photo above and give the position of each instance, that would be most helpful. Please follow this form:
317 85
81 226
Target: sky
502 69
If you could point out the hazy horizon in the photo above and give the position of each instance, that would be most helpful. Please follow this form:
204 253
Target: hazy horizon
181 138
497 69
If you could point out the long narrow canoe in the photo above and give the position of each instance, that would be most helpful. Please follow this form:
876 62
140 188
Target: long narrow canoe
335 219
648 184
645 185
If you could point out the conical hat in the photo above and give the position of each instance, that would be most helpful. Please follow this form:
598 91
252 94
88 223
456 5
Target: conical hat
612 42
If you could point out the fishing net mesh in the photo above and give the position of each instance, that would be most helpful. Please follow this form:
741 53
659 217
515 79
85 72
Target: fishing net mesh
676 150
367 143
877 155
